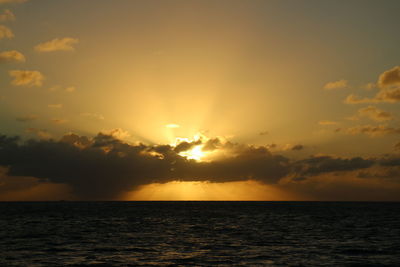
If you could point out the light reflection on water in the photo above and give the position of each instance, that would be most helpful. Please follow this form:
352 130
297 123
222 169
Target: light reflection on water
199 233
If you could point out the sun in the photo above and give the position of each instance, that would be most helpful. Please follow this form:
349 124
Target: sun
195 153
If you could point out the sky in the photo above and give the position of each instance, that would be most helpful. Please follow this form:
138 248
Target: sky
199 100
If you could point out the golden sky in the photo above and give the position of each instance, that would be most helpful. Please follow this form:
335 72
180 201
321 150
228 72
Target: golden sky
199 100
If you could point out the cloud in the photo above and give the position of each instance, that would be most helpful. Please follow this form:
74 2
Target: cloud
389 83
7 15
370 130
104 167
297 147
5 32
389 95
327 164
117 133
11 56
327 122
93 115
12 1
375 114
336 85
26 118
291 147
20 188
58 44
55 106
26 78
390 77
385 95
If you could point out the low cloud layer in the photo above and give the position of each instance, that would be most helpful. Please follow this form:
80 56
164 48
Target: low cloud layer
105 167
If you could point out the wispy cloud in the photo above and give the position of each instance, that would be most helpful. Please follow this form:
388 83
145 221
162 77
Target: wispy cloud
336 85
58 44
26 78
11 56
375 114
370 130
5 32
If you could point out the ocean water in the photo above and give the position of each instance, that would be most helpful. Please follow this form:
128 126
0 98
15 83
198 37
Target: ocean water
199 234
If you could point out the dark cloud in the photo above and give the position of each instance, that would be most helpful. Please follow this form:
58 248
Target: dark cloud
105 167
297 147
185 146
325 164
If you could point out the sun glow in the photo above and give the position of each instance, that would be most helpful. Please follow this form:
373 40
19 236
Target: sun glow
196 190
195 153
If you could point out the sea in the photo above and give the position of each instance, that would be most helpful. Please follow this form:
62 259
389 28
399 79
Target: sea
199 233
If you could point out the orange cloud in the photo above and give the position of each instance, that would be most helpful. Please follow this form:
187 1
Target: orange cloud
11 56
5 32
63 44
26 78
336 85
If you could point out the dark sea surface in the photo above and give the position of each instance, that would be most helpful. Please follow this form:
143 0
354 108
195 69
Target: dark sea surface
199 234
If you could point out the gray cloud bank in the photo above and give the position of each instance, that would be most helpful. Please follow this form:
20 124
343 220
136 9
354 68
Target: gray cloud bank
104 167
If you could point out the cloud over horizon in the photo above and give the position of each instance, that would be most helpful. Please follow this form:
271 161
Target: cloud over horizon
104 167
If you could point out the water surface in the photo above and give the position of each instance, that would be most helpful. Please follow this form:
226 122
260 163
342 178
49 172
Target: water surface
199 234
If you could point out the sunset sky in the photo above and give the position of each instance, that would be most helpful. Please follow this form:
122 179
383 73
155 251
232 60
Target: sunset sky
199 100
